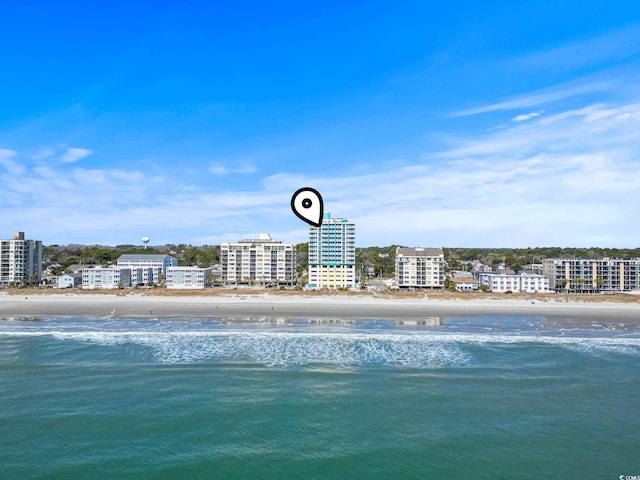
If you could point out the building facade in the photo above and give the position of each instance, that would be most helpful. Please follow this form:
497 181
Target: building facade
481 268
187 278
420 267
263 261
579 275
143 276
158 264
106 278
69 280
523 282
332 254
465 284
20 260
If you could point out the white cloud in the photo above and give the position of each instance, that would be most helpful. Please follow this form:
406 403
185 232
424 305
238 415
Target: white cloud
7 161
607 55
43 153
74 154
568 178
526 116
614 46
539 97
218 169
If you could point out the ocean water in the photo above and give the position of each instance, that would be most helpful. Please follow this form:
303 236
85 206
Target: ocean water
484 397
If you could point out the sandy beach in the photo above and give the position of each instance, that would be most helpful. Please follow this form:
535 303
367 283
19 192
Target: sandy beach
239 307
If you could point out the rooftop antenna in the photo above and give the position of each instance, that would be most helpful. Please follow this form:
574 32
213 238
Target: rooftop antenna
145 240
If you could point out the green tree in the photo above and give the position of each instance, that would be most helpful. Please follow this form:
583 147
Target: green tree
72 260
449 284
57 270
302 258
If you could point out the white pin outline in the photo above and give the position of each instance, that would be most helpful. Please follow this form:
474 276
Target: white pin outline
293 207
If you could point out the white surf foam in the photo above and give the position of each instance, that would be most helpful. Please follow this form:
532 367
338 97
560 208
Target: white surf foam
319 347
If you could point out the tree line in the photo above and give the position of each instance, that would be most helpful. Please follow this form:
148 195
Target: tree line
378 260
65 256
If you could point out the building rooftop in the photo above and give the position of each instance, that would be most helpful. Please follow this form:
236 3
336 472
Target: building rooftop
420 252
262 238
511 273
187 267
464 280
142 256
78 266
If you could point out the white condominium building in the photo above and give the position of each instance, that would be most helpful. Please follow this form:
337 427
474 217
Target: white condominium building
262 260
523 282
142 276
20 260
188 278
158 263
580 275
420 267
332 254
106 277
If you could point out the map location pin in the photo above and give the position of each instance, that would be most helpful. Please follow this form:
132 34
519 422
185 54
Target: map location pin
307 204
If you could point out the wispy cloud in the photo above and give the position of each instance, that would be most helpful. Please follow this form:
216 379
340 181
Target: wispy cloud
599 64
72 155
568 177
593 128
7 161
526 116
539 97
609 47
61 153
219 169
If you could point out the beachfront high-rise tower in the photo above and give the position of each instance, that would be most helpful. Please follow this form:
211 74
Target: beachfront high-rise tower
20 260
263 260
332 254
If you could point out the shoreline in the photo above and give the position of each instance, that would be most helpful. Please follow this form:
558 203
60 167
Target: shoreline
240 307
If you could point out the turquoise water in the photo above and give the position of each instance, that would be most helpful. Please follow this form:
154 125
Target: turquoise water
481 397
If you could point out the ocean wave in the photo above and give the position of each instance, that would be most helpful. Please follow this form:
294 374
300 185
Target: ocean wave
286 349
312 346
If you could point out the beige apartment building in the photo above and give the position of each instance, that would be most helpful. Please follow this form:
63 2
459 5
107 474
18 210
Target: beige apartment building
581 275
263 261
420 267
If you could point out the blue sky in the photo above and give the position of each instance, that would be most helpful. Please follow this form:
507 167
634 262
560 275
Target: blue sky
426 123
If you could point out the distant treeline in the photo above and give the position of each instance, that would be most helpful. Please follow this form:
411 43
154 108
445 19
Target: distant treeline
381 260
67 255
539 253
518 258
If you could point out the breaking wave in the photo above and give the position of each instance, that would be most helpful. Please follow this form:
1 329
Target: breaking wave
201 342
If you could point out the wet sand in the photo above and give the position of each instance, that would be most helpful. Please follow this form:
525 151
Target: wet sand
340 307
